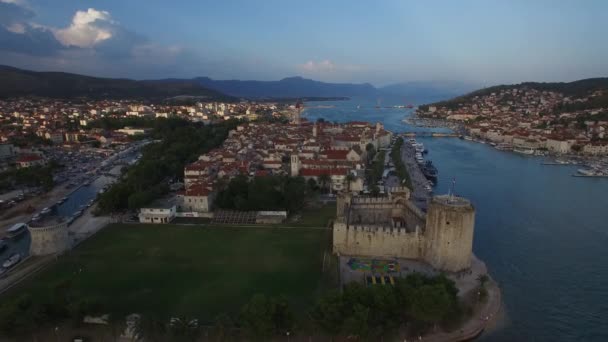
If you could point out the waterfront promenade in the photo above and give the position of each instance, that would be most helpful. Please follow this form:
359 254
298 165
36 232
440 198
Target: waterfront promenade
420 195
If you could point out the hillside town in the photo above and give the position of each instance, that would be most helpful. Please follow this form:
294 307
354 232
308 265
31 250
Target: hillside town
65 142
530 121
28 123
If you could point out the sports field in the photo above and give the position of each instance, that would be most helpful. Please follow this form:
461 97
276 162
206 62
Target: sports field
191 271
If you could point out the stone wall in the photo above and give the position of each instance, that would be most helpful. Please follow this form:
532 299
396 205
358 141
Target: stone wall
362 240
49 239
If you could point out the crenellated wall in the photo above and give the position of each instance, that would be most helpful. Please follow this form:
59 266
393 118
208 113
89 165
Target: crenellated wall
376 241
443 237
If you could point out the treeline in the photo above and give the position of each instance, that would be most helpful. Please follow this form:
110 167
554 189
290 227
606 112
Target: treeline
111 123
265 193
180 143
414 306
34 176
400 168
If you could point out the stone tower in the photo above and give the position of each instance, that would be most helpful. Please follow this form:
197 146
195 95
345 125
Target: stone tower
450 223
295 165
314 130
49 236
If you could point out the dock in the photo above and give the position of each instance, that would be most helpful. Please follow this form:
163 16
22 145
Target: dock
589 176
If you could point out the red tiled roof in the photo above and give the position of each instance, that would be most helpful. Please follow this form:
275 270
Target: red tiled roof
28 158
319 172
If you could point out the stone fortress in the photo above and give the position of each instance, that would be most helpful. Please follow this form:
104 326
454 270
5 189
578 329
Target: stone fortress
49 236
393 227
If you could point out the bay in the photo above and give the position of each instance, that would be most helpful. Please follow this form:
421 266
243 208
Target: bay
542 233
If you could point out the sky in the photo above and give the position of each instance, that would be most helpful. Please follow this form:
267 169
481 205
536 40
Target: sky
381 42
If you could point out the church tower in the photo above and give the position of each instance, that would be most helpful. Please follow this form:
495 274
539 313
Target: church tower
295 165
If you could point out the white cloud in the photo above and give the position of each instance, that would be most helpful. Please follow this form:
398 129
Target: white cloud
322 66
326 66
87 29
16 28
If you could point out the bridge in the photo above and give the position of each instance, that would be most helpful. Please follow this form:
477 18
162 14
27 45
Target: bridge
429 134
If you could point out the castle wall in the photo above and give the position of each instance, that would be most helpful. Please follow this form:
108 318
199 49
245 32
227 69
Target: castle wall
449 234
49 239
372 241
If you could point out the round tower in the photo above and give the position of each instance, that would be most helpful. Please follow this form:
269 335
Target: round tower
49 236
450 223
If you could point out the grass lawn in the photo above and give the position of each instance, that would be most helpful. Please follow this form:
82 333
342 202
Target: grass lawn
316 217
190 270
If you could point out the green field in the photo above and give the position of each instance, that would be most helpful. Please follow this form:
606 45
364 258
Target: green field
196 271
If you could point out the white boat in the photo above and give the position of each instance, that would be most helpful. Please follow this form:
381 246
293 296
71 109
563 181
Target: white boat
523 150
586 172
12 260
504 147
16 230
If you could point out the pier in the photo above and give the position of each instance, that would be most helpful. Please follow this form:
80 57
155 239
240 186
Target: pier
420 195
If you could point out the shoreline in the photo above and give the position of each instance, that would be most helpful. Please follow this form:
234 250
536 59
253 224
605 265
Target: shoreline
458 128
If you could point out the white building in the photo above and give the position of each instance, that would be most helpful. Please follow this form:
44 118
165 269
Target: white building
158 212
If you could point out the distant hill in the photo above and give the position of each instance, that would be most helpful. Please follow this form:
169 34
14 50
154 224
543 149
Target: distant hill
298 87
580 88
18 82
287 87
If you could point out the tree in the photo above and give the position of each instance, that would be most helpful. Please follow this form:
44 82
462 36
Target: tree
357 322
431 303
262 317
257 317
328 314
483 279
325 179
312 184
371 152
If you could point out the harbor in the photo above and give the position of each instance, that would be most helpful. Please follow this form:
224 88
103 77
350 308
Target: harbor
422 173
82 195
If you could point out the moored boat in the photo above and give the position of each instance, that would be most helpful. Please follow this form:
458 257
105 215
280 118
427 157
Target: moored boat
12 260
16 230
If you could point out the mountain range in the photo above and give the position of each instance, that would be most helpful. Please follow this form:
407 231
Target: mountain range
18 82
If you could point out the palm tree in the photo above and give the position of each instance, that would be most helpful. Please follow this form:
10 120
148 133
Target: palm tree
325 179
349 178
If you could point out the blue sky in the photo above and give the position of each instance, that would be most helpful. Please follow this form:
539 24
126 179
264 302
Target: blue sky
486 42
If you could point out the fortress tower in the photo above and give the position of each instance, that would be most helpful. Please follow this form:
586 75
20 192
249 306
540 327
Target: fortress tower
450 222
49 236
394 227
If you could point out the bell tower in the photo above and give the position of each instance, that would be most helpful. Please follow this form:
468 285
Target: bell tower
295 165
